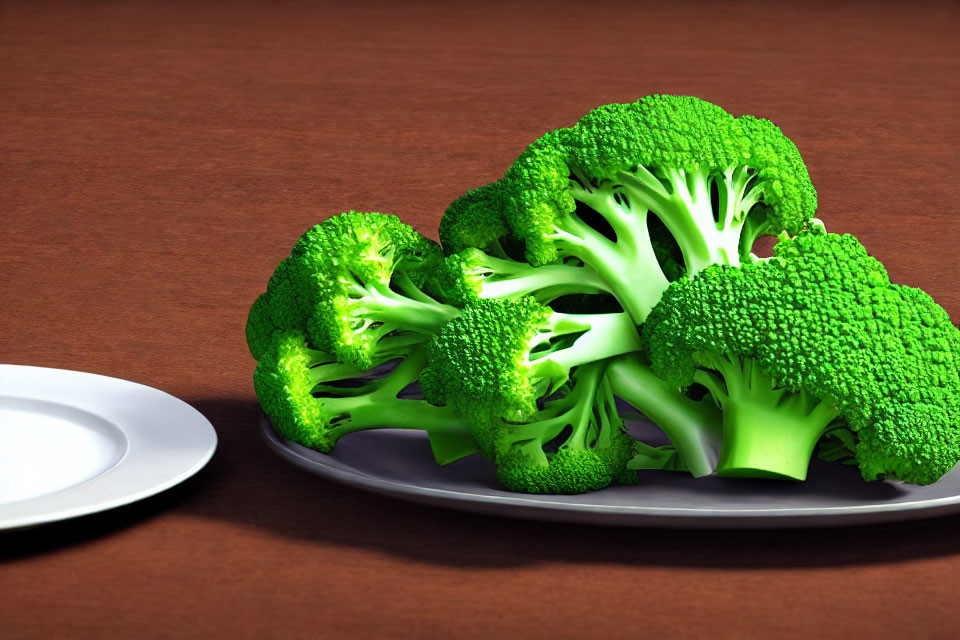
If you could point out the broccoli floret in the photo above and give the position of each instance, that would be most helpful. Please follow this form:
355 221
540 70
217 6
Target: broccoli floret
521 374
590 192
475 220
815 339
260 327
369 280
303 392
534 456
500 357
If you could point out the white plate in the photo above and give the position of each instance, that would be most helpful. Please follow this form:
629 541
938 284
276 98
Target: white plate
75 443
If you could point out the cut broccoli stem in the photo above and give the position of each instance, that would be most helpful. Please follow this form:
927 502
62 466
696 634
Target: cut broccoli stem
694 428
768 431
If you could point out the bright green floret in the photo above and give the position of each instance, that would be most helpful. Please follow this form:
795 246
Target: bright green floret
590 194
522 375
812 340
260 327
371 282
498 358
303 392
475 220
536 457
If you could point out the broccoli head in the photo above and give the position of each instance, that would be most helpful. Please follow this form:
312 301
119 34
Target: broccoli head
603 191
369 280
813 339
500 357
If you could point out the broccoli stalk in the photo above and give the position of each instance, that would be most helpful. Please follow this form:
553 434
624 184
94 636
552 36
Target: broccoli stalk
768 431
693 427
681 199
532 458
475 275
296 387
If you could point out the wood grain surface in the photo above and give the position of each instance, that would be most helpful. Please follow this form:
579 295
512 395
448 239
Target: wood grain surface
158 159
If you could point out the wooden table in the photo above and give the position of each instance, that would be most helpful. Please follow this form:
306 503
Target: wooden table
158 159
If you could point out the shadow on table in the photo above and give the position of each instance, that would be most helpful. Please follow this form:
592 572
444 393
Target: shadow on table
247 484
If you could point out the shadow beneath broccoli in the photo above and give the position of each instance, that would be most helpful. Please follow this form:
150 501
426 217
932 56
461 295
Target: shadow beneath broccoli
246 483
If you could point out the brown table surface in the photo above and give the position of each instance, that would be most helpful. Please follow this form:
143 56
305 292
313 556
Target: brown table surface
159 159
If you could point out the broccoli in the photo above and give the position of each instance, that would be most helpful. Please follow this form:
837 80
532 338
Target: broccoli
693 427
360 286
520 373
812 340
303 392
590 193
534 457
615 259
497 359
474 275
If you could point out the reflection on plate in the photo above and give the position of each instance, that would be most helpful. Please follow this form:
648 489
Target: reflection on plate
399 463
75 443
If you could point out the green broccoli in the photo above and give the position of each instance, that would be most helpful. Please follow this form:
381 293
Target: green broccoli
497 359
615 259
302 391
362 286
520 374
535 457
815 339
693 427
586 193
474 275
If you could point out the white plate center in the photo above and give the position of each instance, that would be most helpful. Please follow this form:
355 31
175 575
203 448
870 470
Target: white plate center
47 447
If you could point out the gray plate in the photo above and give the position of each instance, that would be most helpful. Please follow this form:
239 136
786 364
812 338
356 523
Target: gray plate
399 463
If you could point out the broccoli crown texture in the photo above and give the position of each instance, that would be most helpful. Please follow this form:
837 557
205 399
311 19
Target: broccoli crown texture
604 192
498 358
260 326
817 333
474 220
368 278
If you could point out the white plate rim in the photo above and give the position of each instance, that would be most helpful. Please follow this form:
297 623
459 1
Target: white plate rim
167 441
542 508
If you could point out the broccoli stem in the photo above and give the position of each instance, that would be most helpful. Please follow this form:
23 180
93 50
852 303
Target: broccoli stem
513 279
687 212
383 304
381 408
603 336
768 431
694 428
629 263
574 410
